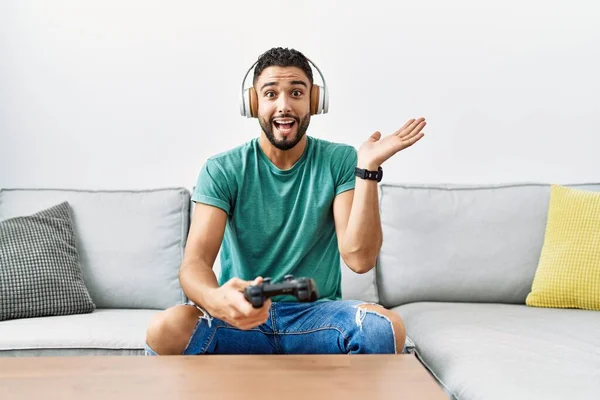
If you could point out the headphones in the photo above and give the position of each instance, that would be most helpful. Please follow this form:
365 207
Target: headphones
319 97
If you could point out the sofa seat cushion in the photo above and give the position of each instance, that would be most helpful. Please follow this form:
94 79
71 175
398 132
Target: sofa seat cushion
500 351
105 331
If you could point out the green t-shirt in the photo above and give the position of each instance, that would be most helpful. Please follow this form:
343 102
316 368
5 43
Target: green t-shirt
279 221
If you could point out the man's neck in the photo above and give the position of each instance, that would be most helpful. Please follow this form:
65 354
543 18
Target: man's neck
283 159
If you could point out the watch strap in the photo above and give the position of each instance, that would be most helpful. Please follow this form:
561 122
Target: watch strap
370 175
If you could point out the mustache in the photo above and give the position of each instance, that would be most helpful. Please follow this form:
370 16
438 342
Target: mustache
286 116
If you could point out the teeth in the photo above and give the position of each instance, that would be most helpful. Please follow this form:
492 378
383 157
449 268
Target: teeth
284 121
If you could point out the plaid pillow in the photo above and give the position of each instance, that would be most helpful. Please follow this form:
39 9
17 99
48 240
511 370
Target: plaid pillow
40 273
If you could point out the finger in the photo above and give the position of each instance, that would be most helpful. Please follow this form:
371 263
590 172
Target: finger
375 136
264 316
259 318
243 306
237 283
240 284
410 121
264 309
247 325
261 312
411 127
244 326
415 130
409 142
260 315
254 320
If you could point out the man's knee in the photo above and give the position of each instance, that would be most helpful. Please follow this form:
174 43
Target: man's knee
385 318
156 330
169 331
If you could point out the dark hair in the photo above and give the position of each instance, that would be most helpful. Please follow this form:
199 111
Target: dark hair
278 56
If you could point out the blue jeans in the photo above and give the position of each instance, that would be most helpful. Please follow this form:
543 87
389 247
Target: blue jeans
323 327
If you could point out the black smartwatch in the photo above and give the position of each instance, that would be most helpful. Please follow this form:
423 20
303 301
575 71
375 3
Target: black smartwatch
371 175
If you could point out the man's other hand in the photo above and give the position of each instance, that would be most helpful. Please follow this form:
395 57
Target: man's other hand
229 304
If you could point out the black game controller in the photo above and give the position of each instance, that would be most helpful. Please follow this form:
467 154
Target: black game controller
304 289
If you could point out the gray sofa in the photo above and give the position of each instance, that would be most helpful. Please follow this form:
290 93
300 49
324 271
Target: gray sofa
457 263
130 246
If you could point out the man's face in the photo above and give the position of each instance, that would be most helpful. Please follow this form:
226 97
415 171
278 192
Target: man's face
283 105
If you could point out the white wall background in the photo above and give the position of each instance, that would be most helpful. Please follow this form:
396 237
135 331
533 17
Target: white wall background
103 94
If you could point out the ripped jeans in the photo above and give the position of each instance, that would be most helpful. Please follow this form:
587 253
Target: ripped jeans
323 327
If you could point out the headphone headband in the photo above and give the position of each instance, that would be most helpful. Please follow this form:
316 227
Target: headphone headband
322 98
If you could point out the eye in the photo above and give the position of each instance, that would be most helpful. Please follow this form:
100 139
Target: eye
296 93
270 93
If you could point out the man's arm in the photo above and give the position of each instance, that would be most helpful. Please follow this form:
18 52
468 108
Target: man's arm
356 213
204 240
199 281
357 224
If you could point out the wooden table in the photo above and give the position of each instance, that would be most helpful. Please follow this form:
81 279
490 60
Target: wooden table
365 377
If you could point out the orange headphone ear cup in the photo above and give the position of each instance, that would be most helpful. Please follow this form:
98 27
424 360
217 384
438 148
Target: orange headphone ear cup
253 101
314 99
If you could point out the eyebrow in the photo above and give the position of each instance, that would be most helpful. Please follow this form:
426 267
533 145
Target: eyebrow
275 84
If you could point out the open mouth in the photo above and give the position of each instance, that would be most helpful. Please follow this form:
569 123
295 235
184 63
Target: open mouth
284 125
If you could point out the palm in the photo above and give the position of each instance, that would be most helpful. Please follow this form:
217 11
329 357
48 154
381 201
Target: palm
377 150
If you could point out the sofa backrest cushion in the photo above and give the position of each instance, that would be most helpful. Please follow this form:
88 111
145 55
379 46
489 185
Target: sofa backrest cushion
130 243
461 243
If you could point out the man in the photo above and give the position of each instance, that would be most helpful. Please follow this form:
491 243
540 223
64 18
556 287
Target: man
283 203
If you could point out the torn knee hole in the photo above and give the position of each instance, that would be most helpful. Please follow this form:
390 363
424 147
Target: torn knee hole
204 315
361 313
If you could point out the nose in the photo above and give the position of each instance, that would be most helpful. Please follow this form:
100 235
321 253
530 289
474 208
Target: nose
283 104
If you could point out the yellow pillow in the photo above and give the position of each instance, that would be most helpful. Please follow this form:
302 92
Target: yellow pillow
568 273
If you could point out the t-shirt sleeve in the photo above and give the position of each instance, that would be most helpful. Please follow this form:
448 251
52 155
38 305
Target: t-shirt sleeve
212 187
346 177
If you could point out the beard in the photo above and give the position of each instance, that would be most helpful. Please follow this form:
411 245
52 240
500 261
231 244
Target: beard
287 142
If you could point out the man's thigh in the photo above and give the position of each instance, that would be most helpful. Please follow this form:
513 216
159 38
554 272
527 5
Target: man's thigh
214 336
331 327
